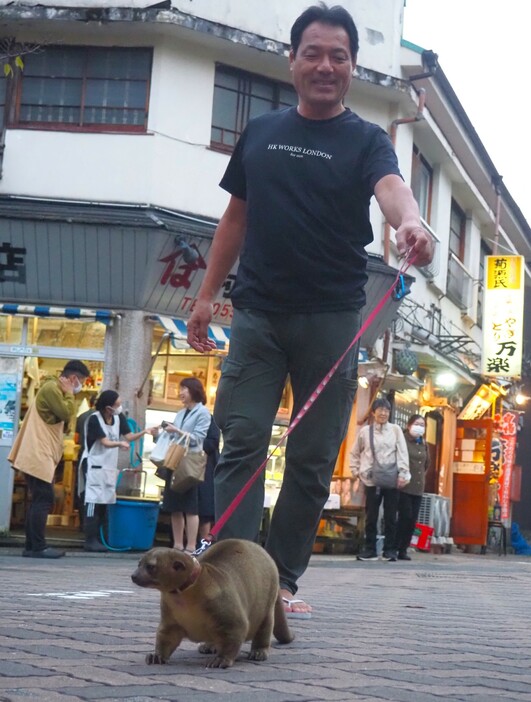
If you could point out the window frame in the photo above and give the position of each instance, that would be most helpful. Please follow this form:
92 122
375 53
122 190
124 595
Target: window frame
243 103
420 163
461 235
13 119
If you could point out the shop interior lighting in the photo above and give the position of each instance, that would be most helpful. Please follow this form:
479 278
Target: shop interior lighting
448 381
363 382
521 399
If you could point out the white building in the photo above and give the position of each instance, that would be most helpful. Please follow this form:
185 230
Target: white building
115 136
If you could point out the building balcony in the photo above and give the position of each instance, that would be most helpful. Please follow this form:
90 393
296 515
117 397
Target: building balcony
459 283
432 270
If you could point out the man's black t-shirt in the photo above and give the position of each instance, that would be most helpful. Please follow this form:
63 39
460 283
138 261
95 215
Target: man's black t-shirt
308 185
95 432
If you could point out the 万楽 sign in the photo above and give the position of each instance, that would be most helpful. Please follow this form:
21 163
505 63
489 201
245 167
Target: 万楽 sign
503 320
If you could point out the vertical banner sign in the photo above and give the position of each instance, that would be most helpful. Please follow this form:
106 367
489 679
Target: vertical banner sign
508 438
9 375
503 320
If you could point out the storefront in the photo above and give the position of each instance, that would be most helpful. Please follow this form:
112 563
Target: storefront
36 342
145 266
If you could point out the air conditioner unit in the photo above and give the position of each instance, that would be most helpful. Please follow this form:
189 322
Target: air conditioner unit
435 512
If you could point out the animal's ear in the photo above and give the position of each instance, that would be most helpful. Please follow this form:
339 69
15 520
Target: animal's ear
178 565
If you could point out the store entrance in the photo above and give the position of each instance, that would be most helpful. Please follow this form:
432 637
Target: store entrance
32 348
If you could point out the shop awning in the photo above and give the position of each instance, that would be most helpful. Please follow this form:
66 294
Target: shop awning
104 316
177 329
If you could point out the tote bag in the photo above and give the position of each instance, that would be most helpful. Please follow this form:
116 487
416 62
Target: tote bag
190 471
177 450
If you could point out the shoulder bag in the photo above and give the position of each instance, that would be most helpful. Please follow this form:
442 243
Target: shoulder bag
190 471
383 475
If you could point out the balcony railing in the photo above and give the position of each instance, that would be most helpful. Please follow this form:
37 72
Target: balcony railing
432 270
459 283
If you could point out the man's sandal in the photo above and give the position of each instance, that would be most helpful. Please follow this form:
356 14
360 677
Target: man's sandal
293 614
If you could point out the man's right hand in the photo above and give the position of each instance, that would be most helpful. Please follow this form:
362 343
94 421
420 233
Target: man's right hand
198 327
66 384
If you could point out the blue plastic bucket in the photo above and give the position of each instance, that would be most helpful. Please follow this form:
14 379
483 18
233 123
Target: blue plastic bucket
132 524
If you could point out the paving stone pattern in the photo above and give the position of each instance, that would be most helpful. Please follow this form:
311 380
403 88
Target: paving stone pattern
450 627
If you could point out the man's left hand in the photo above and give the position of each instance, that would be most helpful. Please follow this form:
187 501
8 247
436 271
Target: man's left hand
414 240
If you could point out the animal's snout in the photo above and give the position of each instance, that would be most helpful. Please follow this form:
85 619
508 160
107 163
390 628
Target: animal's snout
137 578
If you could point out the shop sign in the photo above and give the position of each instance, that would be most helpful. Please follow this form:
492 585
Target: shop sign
180 275
496 461
12 263
503 317
509 431
479 404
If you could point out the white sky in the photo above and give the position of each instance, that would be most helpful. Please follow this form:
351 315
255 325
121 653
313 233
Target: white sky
484 50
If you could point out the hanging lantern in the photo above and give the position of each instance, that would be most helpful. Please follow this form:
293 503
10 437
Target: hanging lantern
406 362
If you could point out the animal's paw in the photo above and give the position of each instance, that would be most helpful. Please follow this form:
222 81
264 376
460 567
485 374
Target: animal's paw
258 654
220 662
206 648
155 659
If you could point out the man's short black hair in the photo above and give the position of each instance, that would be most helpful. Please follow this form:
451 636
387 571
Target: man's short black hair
77 368
381 402
335 16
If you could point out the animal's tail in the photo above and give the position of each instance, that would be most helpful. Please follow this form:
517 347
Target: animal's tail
281 630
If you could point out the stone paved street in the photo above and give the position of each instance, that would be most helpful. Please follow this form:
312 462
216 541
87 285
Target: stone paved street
450 627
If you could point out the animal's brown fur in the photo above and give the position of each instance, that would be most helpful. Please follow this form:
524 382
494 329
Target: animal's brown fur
234 599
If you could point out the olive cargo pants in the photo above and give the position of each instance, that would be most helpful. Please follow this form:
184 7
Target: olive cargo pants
265 348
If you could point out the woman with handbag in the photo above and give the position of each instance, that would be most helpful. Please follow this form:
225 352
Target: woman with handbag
190 426
410 496
380 459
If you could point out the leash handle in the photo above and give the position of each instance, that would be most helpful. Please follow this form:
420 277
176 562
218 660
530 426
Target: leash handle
409 260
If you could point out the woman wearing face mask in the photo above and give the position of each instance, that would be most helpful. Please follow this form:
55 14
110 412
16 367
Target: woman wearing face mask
99 462
411 494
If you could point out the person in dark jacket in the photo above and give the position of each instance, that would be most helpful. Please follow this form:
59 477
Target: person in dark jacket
411 495
206 488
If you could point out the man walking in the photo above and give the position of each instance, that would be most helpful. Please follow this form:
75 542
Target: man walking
300 182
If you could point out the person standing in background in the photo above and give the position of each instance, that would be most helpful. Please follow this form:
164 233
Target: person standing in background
194 420
38 448
206 488
410 495
387 446
99 462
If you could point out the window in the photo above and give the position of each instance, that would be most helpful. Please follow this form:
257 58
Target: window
485 251
457 231
238 97
421 183
3 91
84 88
459 281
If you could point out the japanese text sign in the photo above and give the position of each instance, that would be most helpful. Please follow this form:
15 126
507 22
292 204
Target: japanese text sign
503 319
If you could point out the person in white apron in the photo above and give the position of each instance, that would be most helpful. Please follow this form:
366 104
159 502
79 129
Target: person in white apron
99 462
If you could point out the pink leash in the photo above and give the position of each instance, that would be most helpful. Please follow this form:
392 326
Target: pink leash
305 408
